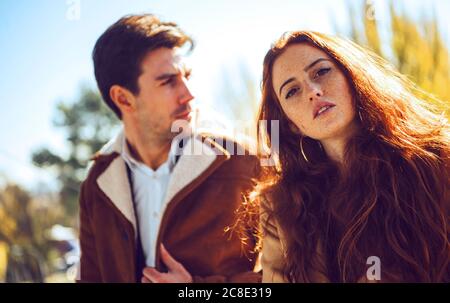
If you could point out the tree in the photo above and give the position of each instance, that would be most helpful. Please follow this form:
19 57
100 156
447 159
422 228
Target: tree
416 48
88 124
22 233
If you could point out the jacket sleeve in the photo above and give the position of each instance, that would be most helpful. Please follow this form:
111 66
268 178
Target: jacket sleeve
232 262
245 269
88 270
249 271
272 248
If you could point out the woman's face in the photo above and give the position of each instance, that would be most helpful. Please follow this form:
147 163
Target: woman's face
313 92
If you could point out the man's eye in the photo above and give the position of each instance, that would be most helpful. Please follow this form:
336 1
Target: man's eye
168 81
291 92
323 71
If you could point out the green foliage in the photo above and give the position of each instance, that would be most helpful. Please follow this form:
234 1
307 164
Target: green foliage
87 124
416 48
24 223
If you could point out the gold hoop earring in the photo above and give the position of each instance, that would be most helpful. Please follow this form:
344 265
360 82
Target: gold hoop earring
301 149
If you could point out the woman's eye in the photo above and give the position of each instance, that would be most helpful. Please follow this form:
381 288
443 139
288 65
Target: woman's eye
291 92
323 71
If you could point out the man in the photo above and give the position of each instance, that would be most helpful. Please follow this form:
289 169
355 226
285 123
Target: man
150 209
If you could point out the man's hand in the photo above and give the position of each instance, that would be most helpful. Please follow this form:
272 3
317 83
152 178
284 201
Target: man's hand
177 273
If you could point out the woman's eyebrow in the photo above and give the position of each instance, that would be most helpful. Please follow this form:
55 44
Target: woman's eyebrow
314 63
285 83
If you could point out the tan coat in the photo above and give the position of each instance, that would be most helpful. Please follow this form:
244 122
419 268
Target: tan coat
274 253
274 250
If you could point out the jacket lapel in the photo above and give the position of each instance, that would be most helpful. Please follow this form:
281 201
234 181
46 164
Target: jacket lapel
116 186
195 159
197 156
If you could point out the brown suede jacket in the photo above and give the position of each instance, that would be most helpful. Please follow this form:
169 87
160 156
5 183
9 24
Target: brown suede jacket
203 193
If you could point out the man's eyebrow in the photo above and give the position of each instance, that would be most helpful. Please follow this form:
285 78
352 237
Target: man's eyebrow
314 63
286 83
166 76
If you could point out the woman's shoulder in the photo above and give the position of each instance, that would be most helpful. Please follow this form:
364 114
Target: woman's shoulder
273 244
269 221
269 198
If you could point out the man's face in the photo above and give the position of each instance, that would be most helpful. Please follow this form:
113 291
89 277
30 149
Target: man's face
163 93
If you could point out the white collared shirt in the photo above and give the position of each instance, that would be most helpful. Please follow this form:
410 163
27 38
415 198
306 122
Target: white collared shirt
149 191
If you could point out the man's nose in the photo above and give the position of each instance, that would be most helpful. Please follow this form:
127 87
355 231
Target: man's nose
186 95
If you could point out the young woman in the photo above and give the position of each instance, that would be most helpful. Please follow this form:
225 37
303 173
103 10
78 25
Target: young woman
362 174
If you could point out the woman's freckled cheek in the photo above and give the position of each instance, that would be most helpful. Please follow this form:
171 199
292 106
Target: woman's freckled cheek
302 126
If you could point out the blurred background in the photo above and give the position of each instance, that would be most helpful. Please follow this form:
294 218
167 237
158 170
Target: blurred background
52 118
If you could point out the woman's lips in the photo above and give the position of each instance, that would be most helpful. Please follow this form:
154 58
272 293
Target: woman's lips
322 107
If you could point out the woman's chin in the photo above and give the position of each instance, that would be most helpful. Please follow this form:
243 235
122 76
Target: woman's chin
334 131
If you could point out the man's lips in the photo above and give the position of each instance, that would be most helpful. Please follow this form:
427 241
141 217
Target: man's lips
321 107
183 115
183 112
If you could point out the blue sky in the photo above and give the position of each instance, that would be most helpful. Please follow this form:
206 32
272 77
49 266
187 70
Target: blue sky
45 56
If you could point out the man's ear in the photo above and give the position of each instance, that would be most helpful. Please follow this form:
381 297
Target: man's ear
122 98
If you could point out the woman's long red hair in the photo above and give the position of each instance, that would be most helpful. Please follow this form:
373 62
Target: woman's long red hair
392 201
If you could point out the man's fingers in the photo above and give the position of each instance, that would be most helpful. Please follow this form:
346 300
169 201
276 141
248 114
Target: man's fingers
145 280
152 275
170 262
177 272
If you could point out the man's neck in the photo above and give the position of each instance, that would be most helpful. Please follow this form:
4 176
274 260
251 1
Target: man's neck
152 153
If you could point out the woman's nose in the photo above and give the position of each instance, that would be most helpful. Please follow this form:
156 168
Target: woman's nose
314 91
318 94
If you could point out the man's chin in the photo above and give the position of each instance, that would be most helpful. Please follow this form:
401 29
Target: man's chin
181 127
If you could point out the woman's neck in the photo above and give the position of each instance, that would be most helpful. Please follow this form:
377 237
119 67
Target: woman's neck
335 147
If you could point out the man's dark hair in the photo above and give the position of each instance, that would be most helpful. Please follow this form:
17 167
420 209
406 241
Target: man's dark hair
119 51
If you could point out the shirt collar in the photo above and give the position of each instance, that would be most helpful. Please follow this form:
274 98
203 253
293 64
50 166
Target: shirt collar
175 151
